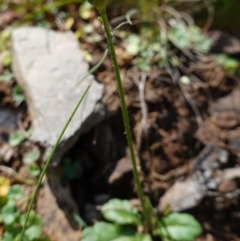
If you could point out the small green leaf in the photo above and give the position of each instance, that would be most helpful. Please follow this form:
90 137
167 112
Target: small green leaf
85 10
17 94
72 169
79 220
200 41
32 156
184 37
15 192
179 36
29 131
101 231
34 219
34 170
13 229
133 44
121 212
33 232
16 138
7 237
6 77
7 60
180 227
229 64
136 237
142 65
43 239
9 212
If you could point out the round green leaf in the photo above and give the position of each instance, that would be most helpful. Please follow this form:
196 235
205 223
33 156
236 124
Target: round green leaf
101 231
137 237
179 36
34 170
32 156
228 63
33 232
17 94
16 138
33 219
133 44
121 212
15 192
180 227
9 212
7 237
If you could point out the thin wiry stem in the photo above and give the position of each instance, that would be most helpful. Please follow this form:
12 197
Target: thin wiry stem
49 160
146 212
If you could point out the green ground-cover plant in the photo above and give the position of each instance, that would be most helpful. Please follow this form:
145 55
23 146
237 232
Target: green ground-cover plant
230 65
123 221
11 216
32 156
31 159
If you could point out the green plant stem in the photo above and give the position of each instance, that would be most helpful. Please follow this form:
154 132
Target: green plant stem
126 119
49 160
94 68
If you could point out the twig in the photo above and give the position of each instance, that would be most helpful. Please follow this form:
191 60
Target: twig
14 174
210 19
193 105
141 87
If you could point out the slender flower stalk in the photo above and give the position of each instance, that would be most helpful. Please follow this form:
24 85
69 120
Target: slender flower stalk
101 7
48 162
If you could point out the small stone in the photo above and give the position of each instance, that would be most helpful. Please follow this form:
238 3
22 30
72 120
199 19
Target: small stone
222 155
123 168
6 152
227 186
182 196
212 184
208 173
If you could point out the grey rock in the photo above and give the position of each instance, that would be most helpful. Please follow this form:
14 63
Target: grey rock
120 172
223 155
182 196
208 173
48 66
212 184
189 193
